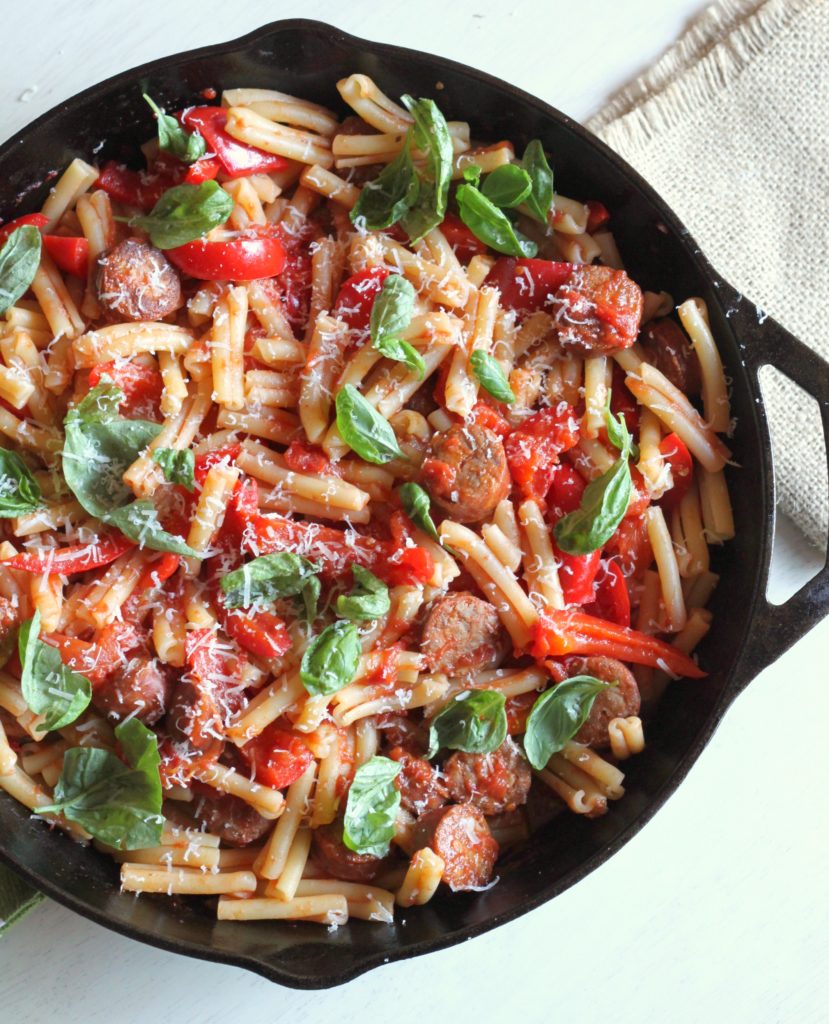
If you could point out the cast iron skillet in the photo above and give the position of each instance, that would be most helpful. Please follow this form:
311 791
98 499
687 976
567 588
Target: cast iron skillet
306 58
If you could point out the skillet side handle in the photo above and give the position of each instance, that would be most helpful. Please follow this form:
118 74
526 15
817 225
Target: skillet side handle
764 342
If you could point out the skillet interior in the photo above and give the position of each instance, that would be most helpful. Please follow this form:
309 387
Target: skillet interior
306 59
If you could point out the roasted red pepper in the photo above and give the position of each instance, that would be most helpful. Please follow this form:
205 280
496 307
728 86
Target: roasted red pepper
278 757
356 297
205 169
533 449
246 258
71 254
134 188
458 235
527 285
261 633
142 386
676 454
597 215
612 597
74 558
576 574
237 158
37 220
204 463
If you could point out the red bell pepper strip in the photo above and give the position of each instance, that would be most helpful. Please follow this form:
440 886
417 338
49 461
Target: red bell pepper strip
98 658
142 189
205 169
142 386
37 220
576 574
675 453
612 598
534 447
237 158
73 558
277 756
246 258
566 490
560 633
261 633
528 285
458 235
356 297
71 254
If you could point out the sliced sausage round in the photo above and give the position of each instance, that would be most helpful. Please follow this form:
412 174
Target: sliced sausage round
334 857
141 690
466 472
671 353
461 633
421 786
460 836
194 718
136 281
597 311
494 783
619 702
227 816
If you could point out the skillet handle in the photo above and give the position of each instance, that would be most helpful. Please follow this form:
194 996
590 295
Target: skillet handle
764 342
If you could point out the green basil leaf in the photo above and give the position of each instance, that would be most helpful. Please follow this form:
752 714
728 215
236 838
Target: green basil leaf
472 174
267 578
618 434
475 721
429 134
417 506
172 138
371 809
49 687
390 315
368 599
310 596
363 429
540 199
386 199
508 185
557 716
19 491
185 213
490 376
19 260
118 804
603 506
99 446
490 224
330 661
178 466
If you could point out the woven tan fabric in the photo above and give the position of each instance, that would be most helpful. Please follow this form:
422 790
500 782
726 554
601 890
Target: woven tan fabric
731 127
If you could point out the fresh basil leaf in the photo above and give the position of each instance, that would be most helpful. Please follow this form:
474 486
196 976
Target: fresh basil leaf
178 466
557 716
386 199
491 225
172 138
390 315
310 596
267 578
540 199
49 687
603 506
429 134
371 808
99 446
19 260
19 491
185 213
118 804
618 434
475 721
490 376
368 599
363 429
330 661
472 174
508 185
417 505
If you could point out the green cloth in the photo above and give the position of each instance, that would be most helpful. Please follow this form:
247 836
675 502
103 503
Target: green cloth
16 898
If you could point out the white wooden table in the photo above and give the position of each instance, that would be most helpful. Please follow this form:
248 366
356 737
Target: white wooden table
717 911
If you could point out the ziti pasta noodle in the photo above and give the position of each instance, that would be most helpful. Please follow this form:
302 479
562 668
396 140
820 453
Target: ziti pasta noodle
309 472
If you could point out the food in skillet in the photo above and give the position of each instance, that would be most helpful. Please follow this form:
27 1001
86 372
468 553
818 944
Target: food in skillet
354 497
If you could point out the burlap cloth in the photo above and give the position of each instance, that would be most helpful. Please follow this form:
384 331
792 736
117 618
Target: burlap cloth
731 127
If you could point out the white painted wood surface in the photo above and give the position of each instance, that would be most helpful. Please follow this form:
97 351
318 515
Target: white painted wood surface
717 911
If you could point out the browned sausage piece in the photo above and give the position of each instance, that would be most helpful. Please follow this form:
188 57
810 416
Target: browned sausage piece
227 816
619 702
462 632
460 836
194 718
466 472
135 281
671 353
334 857
421 786
597 311
141 689
494 783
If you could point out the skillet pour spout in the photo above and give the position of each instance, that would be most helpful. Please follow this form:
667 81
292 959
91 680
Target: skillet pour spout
306 58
